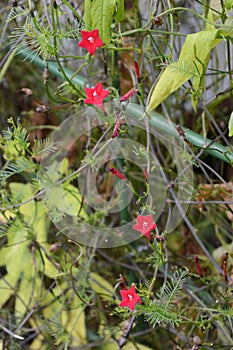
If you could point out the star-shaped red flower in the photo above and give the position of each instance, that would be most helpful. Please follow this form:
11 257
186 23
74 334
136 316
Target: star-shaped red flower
90 41
145 224
129 297
95 95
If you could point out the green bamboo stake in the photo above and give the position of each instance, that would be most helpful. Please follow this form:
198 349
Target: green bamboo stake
53 67
161 124
156 120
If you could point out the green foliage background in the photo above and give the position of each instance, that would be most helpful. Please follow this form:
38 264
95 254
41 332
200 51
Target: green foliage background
57 294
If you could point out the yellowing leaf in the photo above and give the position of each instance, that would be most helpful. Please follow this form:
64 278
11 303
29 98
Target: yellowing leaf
62 319
203 43
21 262
17 259
101 286
7 215
5 291
192 63
37 342
74 322
49 269
66 199
110 344
29 292
34 212
129 346
24 192
170 80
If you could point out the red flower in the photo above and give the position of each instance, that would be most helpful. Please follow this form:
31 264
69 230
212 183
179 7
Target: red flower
95 95
128 94
117 173
145 225
129 297
90 41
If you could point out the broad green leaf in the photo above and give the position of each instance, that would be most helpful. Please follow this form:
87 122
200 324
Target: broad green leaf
192 63
229 4
230 125
101 14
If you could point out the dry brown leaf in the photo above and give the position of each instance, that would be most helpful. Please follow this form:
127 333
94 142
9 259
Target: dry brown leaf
218 192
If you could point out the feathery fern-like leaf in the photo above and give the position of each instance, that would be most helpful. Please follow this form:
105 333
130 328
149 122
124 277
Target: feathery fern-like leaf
7 134
156 313
44 147
17 11
39 39
157 257
55 215
56 328
21 165
171 289
18 133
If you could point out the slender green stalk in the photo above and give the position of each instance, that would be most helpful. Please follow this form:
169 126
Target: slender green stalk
73 10
156 120
52 67
7 64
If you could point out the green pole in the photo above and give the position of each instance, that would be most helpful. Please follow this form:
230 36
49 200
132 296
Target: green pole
161 124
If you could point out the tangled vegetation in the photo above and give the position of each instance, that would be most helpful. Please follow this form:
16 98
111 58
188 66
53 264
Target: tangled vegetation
116 175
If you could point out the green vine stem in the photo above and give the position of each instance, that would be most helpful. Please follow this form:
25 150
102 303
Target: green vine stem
156 120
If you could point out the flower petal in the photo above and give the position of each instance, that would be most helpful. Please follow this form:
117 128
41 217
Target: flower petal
90 41
129 297
145 225
95 95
